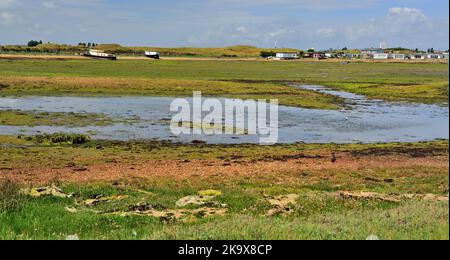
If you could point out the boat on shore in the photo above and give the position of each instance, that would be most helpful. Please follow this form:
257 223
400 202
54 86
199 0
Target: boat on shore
152 55
99 54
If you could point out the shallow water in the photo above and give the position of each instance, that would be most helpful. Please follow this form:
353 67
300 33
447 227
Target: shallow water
369 121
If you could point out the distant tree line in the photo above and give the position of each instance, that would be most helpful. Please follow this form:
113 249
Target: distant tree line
89 44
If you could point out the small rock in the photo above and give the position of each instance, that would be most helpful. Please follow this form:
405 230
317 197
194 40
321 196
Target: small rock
71 210
198 142
372 238
80 169
72 238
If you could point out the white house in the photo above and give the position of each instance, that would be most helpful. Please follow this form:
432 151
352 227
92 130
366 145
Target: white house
381 56
418 56
434 56
287 55
445 55
353 55
397 56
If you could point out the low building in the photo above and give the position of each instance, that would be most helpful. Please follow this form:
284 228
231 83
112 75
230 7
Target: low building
372 51
287 55
418 56
381 56
434 56
445 55
397 56
353 55
319 55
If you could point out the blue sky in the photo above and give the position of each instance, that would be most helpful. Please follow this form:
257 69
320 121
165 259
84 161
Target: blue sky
292 23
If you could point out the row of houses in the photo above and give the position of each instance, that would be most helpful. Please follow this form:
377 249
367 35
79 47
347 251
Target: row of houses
415 56
370 53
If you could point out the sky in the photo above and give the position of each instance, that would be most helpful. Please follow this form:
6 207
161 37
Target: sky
302 24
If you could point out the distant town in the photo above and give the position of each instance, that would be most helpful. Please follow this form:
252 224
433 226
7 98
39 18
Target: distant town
380 53
370 53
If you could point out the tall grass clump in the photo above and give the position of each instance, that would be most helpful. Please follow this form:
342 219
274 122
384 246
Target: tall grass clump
10 197
62 138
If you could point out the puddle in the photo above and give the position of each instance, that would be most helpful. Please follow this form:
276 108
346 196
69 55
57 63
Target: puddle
369 121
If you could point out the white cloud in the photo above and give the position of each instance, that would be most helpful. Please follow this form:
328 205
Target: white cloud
6 18
304 4
49 5
400 22
326 32
278 32
7 3
400 26
293 23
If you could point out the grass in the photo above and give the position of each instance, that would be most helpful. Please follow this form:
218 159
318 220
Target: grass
319 212
101 86
423 93
10 198
320 215
35 118
38 154
422 82
351 225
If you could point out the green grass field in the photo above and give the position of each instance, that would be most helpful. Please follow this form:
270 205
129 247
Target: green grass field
321 216
34 118
423 82
319 211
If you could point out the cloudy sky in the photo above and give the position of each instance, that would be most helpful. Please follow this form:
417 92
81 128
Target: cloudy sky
292 23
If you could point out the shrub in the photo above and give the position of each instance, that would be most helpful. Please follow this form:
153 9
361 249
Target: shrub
10 197
34 43
267 54
61 138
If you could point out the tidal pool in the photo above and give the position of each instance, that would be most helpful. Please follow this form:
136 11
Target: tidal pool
366 121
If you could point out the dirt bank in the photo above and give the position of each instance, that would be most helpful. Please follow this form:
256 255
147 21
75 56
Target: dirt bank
279 171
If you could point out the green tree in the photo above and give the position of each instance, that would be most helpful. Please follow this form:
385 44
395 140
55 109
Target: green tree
267 54
33 43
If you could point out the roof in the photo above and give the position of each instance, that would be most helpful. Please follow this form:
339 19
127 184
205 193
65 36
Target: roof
372 49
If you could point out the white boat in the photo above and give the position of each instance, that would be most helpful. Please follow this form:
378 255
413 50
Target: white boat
99 54
152 54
